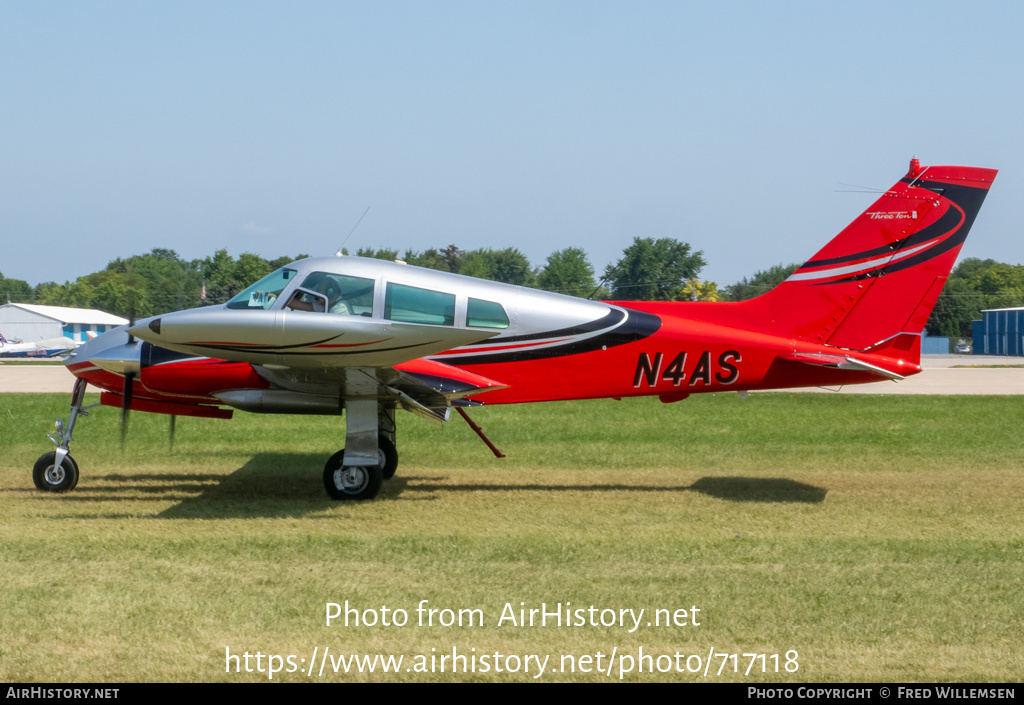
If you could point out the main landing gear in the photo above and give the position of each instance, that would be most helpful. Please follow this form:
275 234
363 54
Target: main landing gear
369 457
57 471
360 481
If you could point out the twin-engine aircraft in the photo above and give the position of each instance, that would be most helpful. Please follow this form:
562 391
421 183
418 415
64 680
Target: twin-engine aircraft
365 337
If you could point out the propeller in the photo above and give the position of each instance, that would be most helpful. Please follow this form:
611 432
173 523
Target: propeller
126 405
129 378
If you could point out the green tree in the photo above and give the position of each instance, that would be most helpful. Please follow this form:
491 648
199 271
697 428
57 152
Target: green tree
47 293
697 290
120 293
509 265
15 290
282 261
170 282
383 253
219 270
957 305
123 297
568 271
448 259
973 286
654 270
77 294
761 283
249 269
453 258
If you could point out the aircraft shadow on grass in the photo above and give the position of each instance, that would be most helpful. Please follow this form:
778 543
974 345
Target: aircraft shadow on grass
281 485
733 489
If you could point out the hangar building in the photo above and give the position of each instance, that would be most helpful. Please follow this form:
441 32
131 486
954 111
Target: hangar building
933 344
999 332
32 322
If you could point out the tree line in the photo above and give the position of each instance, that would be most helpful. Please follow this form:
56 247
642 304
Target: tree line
650 269
149 284
161 281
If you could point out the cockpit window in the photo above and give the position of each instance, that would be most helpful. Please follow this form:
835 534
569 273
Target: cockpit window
340 293
305 300
485 314
263 293
412 305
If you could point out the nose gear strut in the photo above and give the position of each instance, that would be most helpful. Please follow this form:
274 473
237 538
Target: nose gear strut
57 471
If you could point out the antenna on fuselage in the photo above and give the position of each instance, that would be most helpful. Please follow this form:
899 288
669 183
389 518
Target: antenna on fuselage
338 253
607 276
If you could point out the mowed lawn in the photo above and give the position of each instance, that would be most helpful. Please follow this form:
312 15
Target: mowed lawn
821 537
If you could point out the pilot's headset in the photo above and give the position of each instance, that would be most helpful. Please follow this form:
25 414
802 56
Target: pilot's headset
329 288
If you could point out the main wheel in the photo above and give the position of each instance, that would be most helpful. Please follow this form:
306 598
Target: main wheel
53 478
387 457
358 482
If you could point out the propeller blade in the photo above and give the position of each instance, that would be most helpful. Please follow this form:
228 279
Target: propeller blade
174 419
131 320
126 405
129 378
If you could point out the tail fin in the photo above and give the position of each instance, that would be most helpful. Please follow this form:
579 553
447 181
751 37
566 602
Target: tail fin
874 285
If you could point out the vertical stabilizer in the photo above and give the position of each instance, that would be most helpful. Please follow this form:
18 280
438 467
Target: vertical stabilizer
879 279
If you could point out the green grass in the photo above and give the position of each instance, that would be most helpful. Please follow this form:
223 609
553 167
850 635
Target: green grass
881 538
32 361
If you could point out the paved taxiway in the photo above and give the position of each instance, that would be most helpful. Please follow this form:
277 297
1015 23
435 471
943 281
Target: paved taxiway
941 375
947 374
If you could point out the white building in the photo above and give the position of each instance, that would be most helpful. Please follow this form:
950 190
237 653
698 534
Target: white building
32 323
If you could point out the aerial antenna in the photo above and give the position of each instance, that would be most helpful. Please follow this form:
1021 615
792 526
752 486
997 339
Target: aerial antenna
607 276
338 253
860 189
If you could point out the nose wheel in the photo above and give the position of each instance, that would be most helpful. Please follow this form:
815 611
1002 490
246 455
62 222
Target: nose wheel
57 471
360 482
54 476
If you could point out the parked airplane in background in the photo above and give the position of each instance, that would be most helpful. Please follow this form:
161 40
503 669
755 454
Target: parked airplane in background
367 337
43 348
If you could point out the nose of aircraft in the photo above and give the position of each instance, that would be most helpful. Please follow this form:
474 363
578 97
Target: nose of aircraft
147 328
113 351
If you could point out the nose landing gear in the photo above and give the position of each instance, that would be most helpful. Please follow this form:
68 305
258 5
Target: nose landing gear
52 476
57 471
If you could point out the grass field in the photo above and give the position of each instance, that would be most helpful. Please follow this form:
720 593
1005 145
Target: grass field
879 538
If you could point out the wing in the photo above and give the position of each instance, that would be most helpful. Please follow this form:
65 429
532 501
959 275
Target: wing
424 387
312 362
302 340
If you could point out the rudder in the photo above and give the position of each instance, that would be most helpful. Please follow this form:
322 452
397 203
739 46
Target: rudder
879 279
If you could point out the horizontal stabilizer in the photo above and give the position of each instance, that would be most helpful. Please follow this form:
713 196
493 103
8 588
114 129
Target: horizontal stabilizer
840 362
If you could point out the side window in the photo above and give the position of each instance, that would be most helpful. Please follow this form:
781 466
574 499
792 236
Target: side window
485 314
306 300
342 294
412 305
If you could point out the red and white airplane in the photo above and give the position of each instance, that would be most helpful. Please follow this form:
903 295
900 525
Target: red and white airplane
365 337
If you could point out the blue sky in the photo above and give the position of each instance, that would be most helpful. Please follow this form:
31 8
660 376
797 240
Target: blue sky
270 127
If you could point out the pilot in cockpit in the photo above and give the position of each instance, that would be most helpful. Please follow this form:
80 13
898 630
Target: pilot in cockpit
332 293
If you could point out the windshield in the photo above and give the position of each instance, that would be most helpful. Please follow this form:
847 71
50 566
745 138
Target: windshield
263 293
